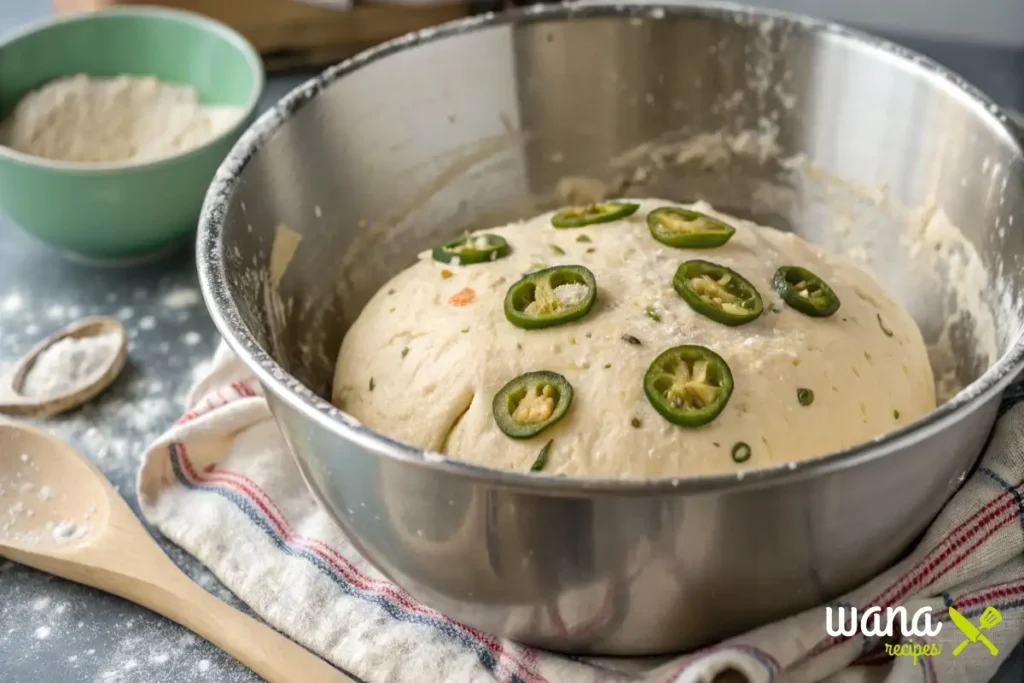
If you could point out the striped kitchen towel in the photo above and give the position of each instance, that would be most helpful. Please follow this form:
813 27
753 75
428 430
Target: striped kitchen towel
222 485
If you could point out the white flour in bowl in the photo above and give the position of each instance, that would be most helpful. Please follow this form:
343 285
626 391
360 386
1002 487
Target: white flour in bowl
69 365
110 120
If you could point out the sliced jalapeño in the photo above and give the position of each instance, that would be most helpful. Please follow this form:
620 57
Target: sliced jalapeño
472 249
686 229
717 292
531 403
688 385
806 292
552 296
580 216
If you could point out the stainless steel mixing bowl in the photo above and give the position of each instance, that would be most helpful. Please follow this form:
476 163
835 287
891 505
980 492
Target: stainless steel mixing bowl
384 155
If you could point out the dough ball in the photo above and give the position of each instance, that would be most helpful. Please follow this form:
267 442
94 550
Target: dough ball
427 355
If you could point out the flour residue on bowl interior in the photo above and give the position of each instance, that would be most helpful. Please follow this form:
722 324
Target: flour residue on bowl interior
109 120
936 240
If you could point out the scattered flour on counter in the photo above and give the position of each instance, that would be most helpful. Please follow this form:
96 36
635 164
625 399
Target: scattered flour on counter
192 338
147 323
43 632
148 414
181 297
102 120
125 313
145 406
147 652
70 364
12 303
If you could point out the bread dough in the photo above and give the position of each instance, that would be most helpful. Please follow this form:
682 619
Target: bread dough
423 370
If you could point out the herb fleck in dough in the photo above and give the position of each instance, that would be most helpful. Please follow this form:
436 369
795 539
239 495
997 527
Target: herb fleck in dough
434 382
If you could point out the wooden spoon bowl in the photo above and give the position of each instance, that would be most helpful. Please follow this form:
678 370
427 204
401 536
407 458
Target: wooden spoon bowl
60 515
45 507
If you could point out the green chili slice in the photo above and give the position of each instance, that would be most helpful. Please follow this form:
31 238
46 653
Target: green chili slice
531 403
472 249
740 452
717 292
580 216
804 397
552 296
688 385
806 292
685 229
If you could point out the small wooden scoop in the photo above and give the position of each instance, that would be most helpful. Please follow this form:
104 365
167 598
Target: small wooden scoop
59 514
14 402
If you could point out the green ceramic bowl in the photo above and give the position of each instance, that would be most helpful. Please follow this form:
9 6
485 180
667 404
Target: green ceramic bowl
117 212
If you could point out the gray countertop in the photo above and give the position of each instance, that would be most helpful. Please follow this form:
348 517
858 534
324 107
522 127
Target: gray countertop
53 631
59 632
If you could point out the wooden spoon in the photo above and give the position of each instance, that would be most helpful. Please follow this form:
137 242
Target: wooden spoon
59 514
13 400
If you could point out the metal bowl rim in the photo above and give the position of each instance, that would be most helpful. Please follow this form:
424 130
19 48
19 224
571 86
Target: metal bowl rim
226 317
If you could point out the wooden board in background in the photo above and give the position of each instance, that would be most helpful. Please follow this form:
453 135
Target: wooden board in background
292 35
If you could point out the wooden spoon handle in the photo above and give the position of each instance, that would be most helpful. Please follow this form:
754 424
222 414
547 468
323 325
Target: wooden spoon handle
271 655
166 590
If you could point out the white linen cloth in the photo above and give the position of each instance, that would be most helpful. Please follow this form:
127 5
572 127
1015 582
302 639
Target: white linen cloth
221 484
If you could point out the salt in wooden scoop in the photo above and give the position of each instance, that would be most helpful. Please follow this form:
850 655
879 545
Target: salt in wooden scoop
66 369
60 515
